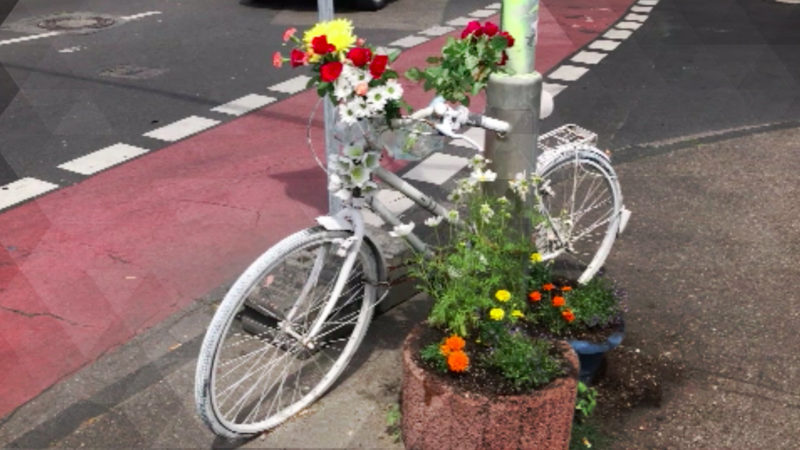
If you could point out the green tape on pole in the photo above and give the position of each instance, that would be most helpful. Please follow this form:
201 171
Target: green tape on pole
521 19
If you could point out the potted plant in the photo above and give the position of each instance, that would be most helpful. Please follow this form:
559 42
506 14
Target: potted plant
476 372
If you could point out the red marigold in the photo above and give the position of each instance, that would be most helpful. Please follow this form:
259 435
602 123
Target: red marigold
359 56
548 287
454 343
321 46
330 71
558 301
298 57
568 315
458 361
535 296
378 65
474 27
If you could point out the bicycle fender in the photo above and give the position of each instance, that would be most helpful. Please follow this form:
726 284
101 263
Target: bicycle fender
334 223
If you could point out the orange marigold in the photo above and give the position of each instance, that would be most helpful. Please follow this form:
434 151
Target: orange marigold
566 289
558 301
454 343
458 361
548 287
568 315
535 296
444 349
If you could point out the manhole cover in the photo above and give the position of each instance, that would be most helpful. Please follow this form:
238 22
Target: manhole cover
75 22
131 72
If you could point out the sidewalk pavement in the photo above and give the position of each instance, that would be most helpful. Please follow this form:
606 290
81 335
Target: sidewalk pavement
708 260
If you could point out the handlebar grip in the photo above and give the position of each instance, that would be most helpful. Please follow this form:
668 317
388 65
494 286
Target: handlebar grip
489 123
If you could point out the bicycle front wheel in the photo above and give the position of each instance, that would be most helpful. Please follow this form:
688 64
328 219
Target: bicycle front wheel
581 200
258 364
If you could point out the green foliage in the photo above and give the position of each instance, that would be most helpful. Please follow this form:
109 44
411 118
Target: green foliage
394 421
433 356
525 362
593 305
586 401
463 68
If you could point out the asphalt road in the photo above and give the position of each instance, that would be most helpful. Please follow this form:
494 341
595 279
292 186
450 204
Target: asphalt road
65 96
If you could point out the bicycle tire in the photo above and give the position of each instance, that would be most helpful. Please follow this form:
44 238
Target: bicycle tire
245 345
576 176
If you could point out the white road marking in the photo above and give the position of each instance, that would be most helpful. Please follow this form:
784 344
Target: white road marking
460 21
553 88
629 25
103 159
437 168
493 6
244 104
23 189
182 128
483 13
648 2
603 44
140 15
477 134
636 17
292 85
587 57
437 30
77 48
568 72
618 34
410 41
29 38
396 202
641 9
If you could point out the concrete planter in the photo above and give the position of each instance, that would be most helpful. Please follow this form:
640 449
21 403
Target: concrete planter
437 416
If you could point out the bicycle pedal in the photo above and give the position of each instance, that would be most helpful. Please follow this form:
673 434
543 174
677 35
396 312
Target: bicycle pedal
624 216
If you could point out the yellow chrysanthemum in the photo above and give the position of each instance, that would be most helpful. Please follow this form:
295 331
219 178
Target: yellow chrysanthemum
536 257
496 314
339 32
517 313
502 295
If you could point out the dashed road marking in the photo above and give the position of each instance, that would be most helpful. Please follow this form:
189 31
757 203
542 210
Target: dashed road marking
140 15
553 88
629 25
618 34
23 189
437 168
568 72
103 159
648 2
244 104
29 38
292 85
641 9
182 128
437 30
493 6
409 41
603 44
483 13
460 21
588 57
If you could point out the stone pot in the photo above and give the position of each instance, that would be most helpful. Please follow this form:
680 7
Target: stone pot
592 354
437 415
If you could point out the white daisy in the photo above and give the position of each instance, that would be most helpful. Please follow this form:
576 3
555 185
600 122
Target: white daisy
394 91
483 176
486 213
347 113
361 108
434 221
403 229
350 75
376 98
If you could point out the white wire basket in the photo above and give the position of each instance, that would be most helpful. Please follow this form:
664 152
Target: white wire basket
412 142
569 134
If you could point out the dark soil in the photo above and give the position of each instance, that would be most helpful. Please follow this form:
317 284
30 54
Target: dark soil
475 379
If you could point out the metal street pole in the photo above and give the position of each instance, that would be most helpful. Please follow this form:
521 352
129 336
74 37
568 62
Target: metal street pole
325 8
516 98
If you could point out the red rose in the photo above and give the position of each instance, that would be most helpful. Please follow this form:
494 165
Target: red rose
359 56
490 29
504 59
298 58
473 27
320 45
378 65
330 71
508 37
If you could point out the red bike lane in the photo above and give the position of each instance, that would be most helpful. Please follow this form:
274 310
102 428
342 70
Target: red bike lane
85 268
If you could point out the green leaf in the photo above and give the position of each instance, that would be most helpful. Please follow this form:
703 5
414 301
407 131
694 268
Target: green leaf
433 60
393 55
413 74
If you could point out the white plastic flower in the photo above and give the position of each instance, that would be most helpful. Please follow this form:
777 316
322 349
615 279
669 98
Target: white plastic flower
371 160
483 176
434 221
359 175
343 194
401 230
334 182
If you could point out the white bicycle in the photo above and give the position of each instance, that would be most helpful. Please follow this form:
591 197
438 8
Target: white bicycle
290 324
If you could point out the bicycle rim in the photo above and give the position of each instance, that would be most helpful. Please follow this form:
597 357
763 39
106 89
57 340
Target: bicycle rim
252 373
583 205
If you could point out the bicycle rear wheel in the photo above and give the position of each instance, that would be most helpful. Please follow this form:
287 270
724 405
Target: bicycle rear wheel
253 371
582 201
